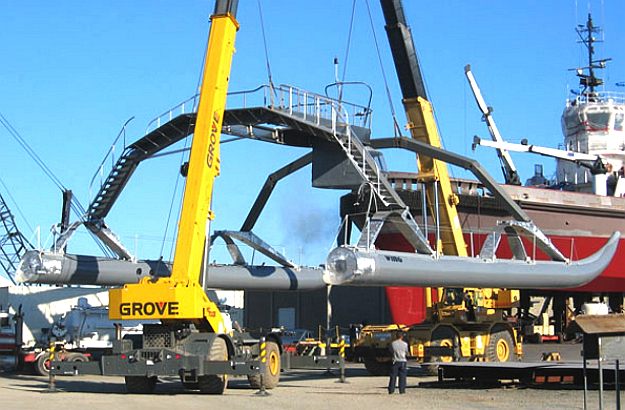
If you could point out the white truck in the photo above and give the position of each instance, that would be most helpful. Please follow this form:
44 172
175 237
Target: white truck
75 319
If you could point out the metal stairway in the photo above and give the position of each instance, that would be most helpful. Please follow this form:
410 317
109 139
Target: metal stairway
335 126
154 141
284 111
330 119
327 119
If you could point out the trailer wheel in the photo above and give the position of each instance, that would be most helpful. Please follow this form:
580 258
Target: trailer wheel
271 376
140 384
215 383
500 346
375 367
42 365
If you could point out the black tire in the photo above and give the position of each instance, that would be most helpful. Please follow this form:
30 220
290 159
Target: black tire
77 357
536 338
376 367
42 365
500 346
140 384
443 336
215 383
271 376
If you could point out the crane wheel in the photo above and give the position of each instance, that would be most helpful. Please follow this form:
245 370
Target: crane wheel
376 367
140 384
444 337
215 383
271 376
500 346
42 365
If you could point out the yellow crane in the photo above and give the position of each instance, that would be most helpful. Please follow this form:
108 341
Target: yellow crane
181 296
193 340
465 322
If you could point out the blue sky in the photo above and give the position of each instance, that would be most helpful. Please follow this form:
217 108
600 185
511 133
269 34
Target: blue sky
73 72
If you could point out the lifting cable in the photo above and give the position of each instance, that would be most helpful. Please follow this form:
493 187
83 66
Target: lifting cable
262 29
171 207
16 135
75 204
388 91
183 155
349 41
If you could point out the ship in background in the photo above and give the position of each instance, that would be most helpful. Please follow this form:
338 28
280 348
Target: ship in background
583 204
578 210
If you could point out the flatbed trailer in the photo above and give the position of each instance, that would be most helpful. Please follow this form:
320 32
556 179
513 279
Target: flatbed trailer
537 374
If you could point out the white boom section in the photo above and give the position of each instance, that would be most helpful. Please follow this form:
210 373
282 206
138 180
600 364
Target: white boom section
537 149
597 163
509 169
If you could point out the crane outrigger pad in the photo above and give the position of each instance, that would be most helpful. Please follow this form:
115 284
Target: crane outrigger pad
349 265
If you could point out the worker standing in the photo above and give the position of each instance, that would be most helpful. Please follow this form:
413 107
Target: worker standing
400 349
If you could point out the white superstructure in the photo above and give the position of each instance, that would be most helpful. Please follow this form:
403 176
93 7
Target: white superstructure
593 123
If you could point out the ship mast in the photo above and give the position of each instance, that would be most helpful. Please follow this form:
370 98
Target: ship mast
589 81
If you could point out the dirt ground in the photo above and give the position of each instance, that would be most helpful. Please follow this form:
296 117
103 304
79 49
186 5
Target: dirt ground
301 390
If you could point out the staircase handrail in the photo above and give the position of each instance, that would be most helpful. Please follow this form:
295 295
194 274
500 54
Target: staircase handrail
110 153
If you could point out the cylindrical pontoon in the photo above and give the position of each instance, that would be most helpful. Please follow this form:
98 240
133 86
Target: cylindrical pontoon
364 267
58 268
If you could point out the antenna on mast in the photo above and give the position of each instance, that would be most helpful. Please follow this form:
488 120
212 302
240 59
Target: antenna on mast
587 78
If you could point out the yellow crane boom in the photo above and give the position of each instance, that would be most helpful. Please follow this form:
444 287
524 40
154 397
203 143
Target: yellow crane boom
441 199
181 296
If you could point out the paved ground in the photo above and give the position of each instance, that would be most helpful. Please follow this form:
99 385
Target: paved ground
301 390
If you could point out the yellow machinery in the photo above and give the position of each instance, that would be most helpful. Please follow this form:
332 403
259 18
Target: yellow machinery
465 323
192 341
180 301
181 296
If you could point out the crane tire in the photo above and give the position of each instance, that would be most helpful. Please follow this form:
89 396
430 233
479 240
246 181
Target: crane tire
271 375
376 367
42 365
215 383
500 346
